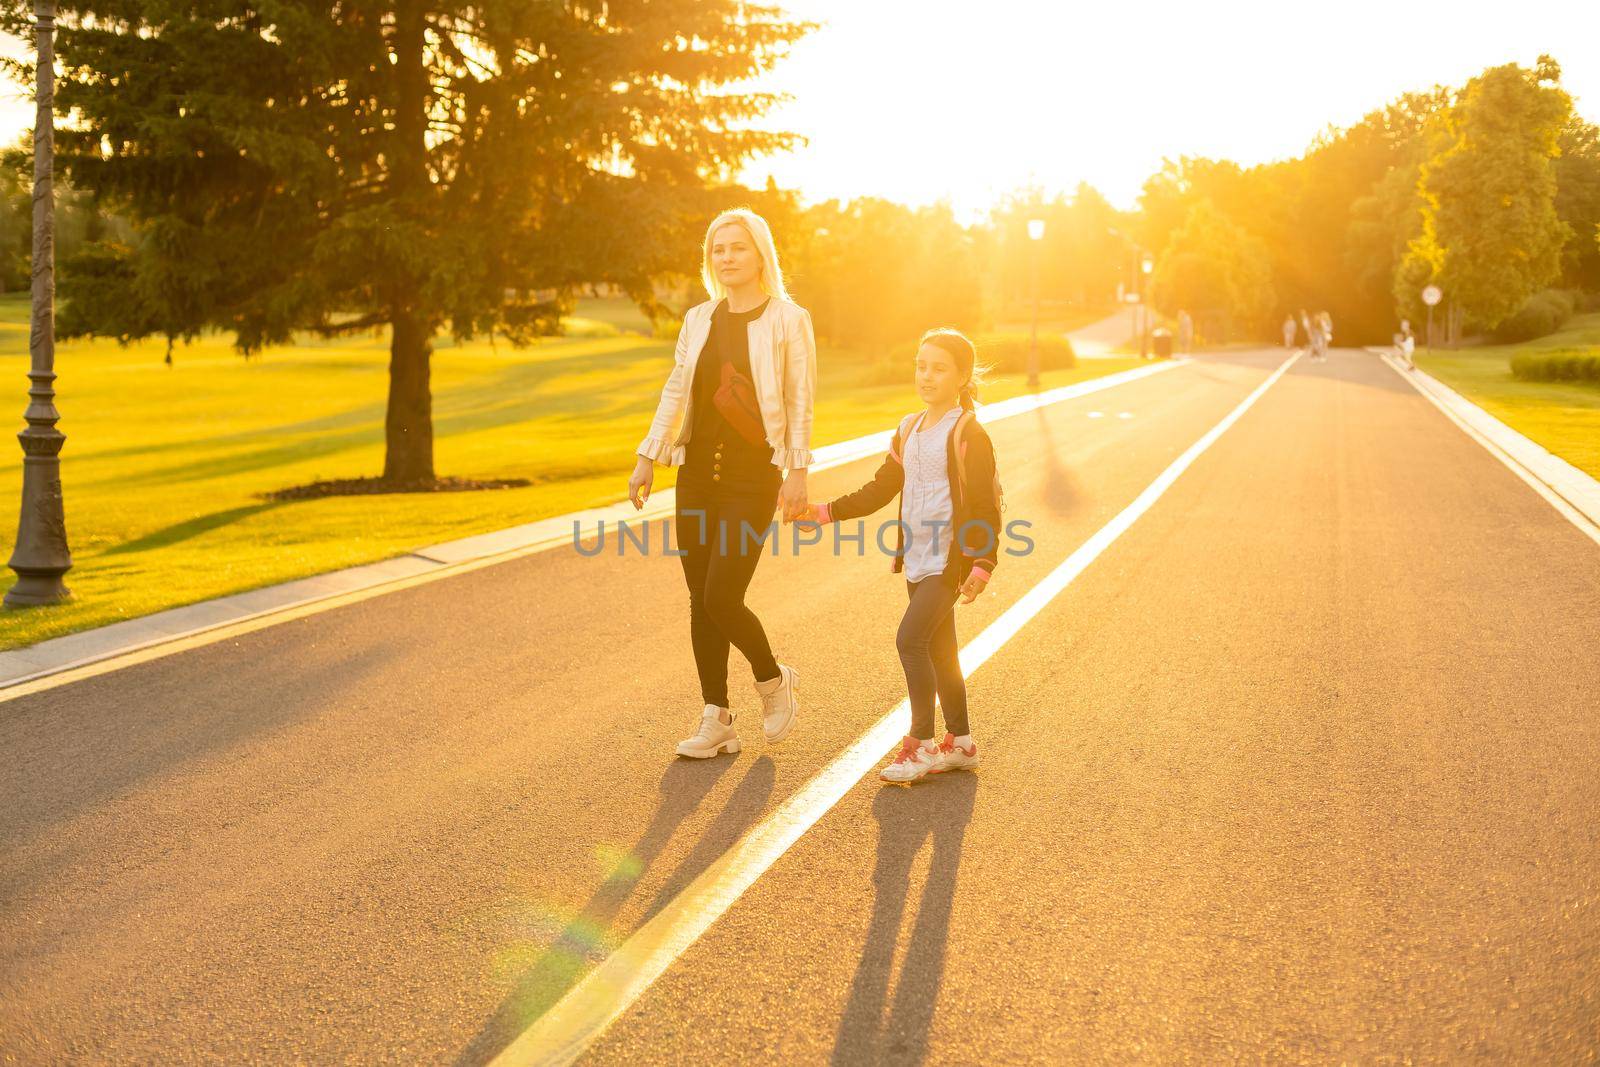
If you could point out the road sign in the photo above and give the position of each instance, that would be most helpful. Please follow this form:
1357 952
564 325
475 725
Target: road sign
1432 295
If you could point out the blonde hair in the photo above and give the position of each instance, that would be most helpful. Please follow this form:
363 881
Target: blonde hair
761 234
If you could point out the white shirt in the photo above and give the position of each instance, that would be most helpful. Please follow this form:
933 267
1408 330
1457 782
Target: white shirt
925 500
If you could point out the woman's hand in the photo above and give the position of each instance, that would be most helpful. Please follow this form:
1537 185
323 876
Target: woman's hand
974 585
644 476
793 498
807 515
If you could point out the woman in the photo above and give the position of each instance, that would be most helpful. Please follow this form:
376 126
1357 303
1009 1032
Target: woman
736 414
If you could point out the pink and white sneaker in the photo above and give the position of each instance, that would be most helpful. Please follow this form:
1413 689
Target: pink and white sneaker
952 757
910 763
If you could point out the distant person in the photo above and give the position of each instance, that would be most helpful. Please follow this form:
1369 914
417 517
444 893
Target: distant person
1405 344
1290 328
1326 321
735 413
941 464
1185 332
1313 329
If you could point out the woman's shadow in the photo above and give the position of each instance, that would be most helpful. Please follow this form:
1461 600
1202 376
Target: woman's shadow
939 808
588 936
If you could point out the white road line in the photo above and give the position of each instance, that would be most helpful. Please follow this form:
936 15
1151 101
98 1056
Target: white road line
562 1034
1097 414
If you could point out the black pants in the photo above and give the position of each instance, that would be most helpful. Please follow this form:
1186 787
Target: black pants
930 655
718 563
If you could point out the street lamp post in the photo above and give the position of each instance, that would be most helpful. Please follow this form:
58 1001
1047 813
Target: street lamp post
1035 235
41 556
1146 265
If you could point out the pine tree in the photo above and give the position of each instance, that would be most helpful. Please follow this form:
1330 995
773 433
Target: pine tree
415 164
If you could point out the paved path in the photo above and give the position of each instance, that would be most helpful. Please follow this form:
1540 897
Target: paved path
1102 339
1302 767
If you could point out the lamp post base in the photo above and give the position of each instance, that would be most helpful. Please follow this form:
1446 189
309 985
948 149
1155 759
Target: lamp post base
37 590
41 555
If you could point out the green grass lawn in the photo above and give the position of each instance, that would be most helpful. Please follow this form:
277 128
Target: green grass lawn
1564 417
164 468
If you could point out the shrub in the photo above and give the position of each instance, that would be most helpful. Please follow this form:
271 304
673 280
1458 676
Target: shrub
1557 365
1544 313
1007 353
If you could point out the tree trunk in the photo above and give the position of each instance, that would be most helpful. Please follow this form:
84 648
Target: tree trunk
408 425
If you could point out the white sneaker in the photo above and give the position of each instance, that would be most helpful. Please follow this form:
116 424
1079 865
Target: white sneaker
714 736
952 757
911 762
779 703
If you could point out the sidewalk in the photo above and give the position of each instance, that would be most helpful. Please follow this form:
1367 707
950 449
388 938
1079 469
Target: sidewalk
1100 340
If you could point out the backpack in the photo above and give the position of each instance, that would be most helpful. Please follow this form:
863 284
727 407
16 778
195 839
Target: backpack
966 419
957 435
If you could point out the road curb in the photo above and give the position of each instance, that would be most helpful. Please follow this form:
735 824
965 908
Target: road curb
145 636
1573 492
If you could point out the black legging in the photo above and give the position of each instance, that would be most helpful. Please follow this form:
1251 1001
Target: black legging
931 657
718 569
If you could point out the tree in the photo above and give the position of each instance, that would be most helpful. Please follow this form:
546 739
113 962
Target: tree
1216 270
414 164
876 274
1384 212
1578 201
80 219
1491 236
1080 259
1171 193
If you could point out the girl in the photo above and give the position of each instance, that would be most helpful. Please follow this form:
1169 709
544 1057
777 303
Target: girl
736 413
941 463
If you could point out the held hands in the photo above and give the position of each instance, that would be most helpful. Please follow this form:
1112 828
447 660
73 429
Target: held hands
793 498
644 476
975 584
808 516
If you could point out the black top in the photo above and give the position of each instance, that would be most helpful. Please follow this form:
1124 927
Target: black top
712 442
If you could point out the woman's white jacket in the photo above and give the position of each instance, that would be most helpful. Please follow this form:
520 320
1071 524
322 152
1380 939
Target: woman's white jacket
783 369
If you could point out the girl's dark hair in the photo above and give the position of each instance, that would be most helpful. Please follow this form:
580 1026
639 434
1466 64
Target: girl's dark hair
960 348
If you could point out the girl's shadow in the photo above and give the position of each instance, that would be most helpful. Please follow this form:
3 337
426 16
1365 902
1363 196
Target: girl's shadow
939 808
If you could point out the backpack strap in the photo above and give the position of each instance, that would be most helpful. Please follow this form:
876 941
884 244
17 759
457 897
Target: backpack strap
958 435
897 445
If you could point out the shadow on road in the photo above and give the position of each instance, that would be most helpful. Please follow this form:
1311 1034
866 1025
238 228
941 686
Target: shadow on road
588 937
1063 492
939 808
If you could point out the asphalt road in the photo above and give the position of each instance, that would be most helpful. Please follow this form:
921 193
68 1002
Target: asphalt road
1302 768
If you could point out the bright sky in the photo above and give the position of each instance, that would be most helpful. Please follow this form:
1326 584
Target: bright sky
964 100
922 100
